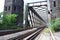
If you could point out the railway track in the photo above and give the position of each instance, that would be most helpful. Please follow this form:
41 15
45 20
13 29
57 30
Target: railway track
34 35
28 35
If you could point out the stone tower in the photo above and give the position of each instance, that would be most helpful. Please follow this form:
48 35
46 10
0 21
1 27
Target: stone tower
15 7
55 8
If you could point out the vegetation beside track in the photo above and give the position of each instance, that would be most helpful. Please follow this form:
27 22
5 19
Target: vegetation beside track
9 22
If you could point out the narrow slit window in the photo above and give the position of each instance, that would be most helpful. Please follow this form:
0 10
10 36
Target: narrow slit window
5 8
14 8
9 8
54 3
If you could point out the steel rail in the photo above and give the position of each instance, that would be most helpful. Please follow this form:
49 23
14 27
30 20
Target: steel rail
34 35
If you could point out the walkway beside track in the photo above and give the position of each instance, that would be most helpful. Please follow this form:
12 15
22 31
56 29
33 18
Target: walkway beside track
6 37
47 36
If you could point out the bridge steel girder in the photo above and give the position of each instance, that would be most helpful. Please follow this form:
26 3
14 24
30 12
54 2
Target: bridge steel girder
37 5
37 2
36 13
30 15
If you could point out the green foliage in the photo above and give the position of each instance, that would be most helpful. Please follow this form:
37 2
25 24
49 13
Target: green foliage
55 24
8 22
9 19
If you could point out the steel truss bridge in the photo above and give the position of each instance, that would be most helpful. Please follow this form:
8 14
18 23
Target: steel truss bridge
36 14
35 18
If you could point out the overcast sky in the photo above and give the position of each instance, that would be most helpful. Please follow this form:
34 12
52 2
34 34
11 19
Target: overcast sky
2 3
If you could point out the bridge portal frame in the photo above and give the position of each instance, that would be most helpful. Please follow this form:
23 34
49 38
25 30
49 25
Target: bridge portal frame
30 8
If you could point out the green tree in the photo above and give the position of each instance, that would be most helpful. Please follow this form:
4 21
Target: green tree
55 24
9 22
9 19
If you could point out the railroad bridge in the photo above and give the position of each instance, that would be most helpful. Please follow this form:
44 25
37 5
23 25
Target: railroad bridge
36 13
35 18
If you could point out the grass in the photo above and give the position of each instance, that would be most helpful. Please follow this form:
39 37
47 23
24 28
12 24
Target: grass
47 30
